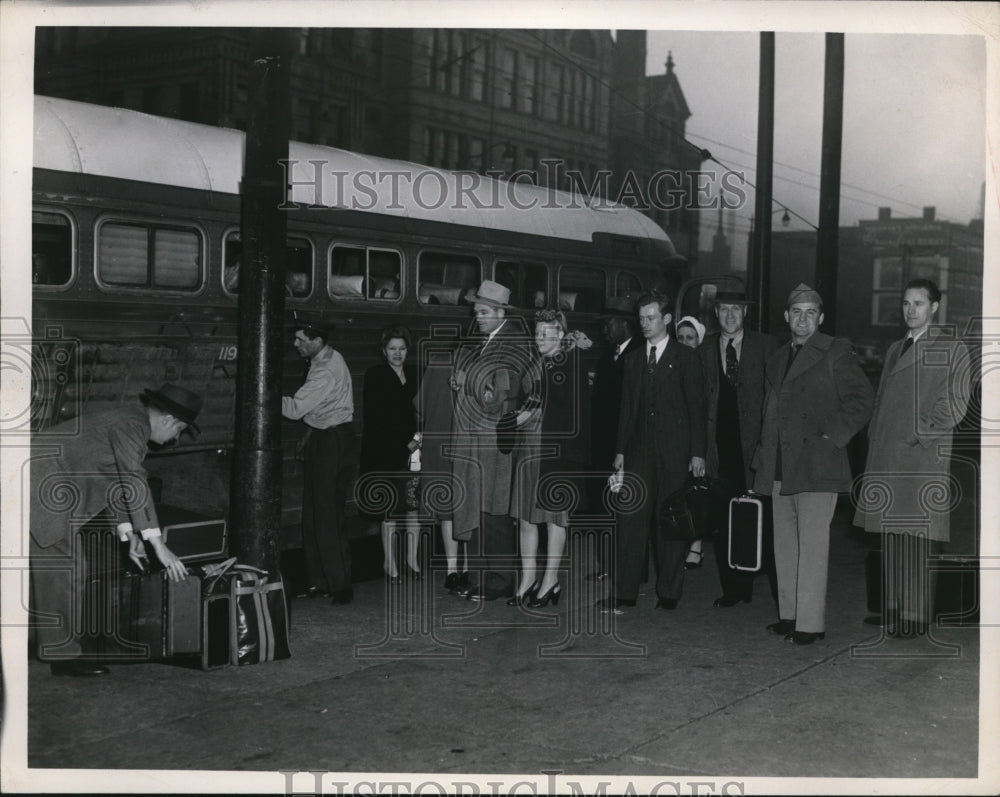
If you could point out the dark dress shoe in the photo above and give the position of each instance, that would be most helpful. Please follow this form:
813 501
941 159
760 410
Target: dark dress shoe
311 592
666 603
342 596
78 668
526 597
782 627
451 581
597 575
613 604
730 600
541 601
804 637
464 590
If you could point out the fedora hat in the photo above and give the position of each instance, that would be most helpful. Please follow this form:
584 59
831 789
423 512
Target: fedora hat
618 307
731 297
180 402
491 293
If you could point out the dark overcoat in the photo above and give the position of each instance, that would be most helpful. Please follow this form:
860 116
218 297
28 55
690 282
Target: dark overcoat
755 350
76 476
490 380
922 396
606 402
390 418
677 405
812 413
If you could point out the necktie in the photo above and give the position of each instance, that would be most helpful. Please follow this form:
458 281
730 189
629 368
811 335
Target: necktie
652 358
791 356
732 364
906 346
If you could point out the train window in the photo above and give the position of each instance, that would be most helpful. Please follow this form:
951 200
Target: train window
627 284
581 290
362 272
51 249
298 265
149 256
444 278
528 282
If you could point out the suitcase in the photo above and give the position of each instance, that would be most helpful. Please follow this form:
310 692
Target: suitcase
158 618
746 533
191 536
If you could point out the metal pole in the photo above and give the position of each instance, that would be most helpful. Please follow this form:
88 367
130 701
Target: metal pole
255 509
827 239
759 277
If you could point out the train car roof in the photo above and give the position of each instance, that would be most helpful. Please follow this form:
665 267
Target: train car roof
82 138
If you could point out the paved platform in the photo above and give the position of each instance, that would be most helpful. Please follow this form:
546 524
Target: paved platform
418 681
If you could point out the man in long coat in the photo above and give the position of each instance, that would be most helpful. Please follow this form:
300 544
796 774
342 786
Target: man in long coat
733 361
487 384
905 493
818 398
76 477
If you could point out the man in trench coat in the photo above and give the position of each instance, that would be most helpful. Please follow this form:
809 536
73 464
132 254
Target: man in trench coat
487 384
906 493
818 398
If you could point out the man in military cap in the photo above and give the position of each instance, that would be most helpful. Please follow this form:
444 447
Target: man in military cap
325 404
817 399
76 477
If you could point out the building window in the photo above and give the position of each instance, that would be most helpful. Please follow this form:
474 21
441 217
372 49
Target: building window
298 265
555 107
889 276
149 256
444 278
581 290
529 85
477 71
508 78
360 272
528 282
51 249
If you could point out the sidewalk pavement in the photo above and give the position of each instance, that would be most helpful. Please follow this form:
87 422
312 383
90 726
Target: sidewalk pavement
433 684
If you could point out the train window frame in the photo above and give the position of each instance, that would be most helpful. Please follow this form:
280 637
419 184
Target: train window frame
74 242
289 236
565 303
516 297
364 295
620 290
152 225
444 289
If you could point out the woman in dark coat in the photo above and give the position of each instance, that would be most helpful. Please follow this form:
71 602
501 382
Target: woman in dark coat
390 423
552 447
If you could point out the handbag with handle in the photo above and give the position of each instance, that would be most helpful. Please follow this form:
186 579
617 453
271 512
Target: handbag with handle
689 513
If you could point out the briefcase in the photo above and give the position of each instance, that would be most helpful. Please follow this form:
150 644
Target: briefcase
192 536
746 532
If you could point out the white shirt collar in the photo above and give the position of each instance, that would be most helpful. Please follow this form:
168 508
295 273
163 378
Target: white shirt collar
658 346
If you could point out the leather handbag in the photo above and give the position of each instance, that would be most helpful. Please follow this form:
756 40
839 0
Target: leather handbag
689 513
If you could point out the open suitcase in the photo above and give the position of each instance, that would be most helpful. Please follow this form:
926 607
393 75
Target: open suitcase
746 532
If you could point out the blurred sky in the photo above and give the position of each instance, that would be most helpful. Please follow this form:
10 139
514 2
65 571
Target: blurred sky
914 118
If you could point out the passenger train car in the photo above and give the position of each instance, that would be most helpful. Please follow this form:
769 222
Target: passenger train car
136 251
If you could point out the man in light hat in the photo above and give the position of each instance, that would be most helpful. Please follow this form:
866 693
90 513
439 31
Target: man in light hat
487 383
325 405
732 361
75 478
818 398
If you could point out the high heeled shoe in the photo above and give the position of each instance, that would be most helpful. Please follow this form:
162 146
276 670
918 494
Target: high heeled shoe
694 564
390 579
525 597
541 601
414 575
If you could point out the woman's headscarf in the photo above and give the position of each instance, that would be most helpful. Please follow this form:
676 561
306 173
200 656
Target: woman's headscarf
698 326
